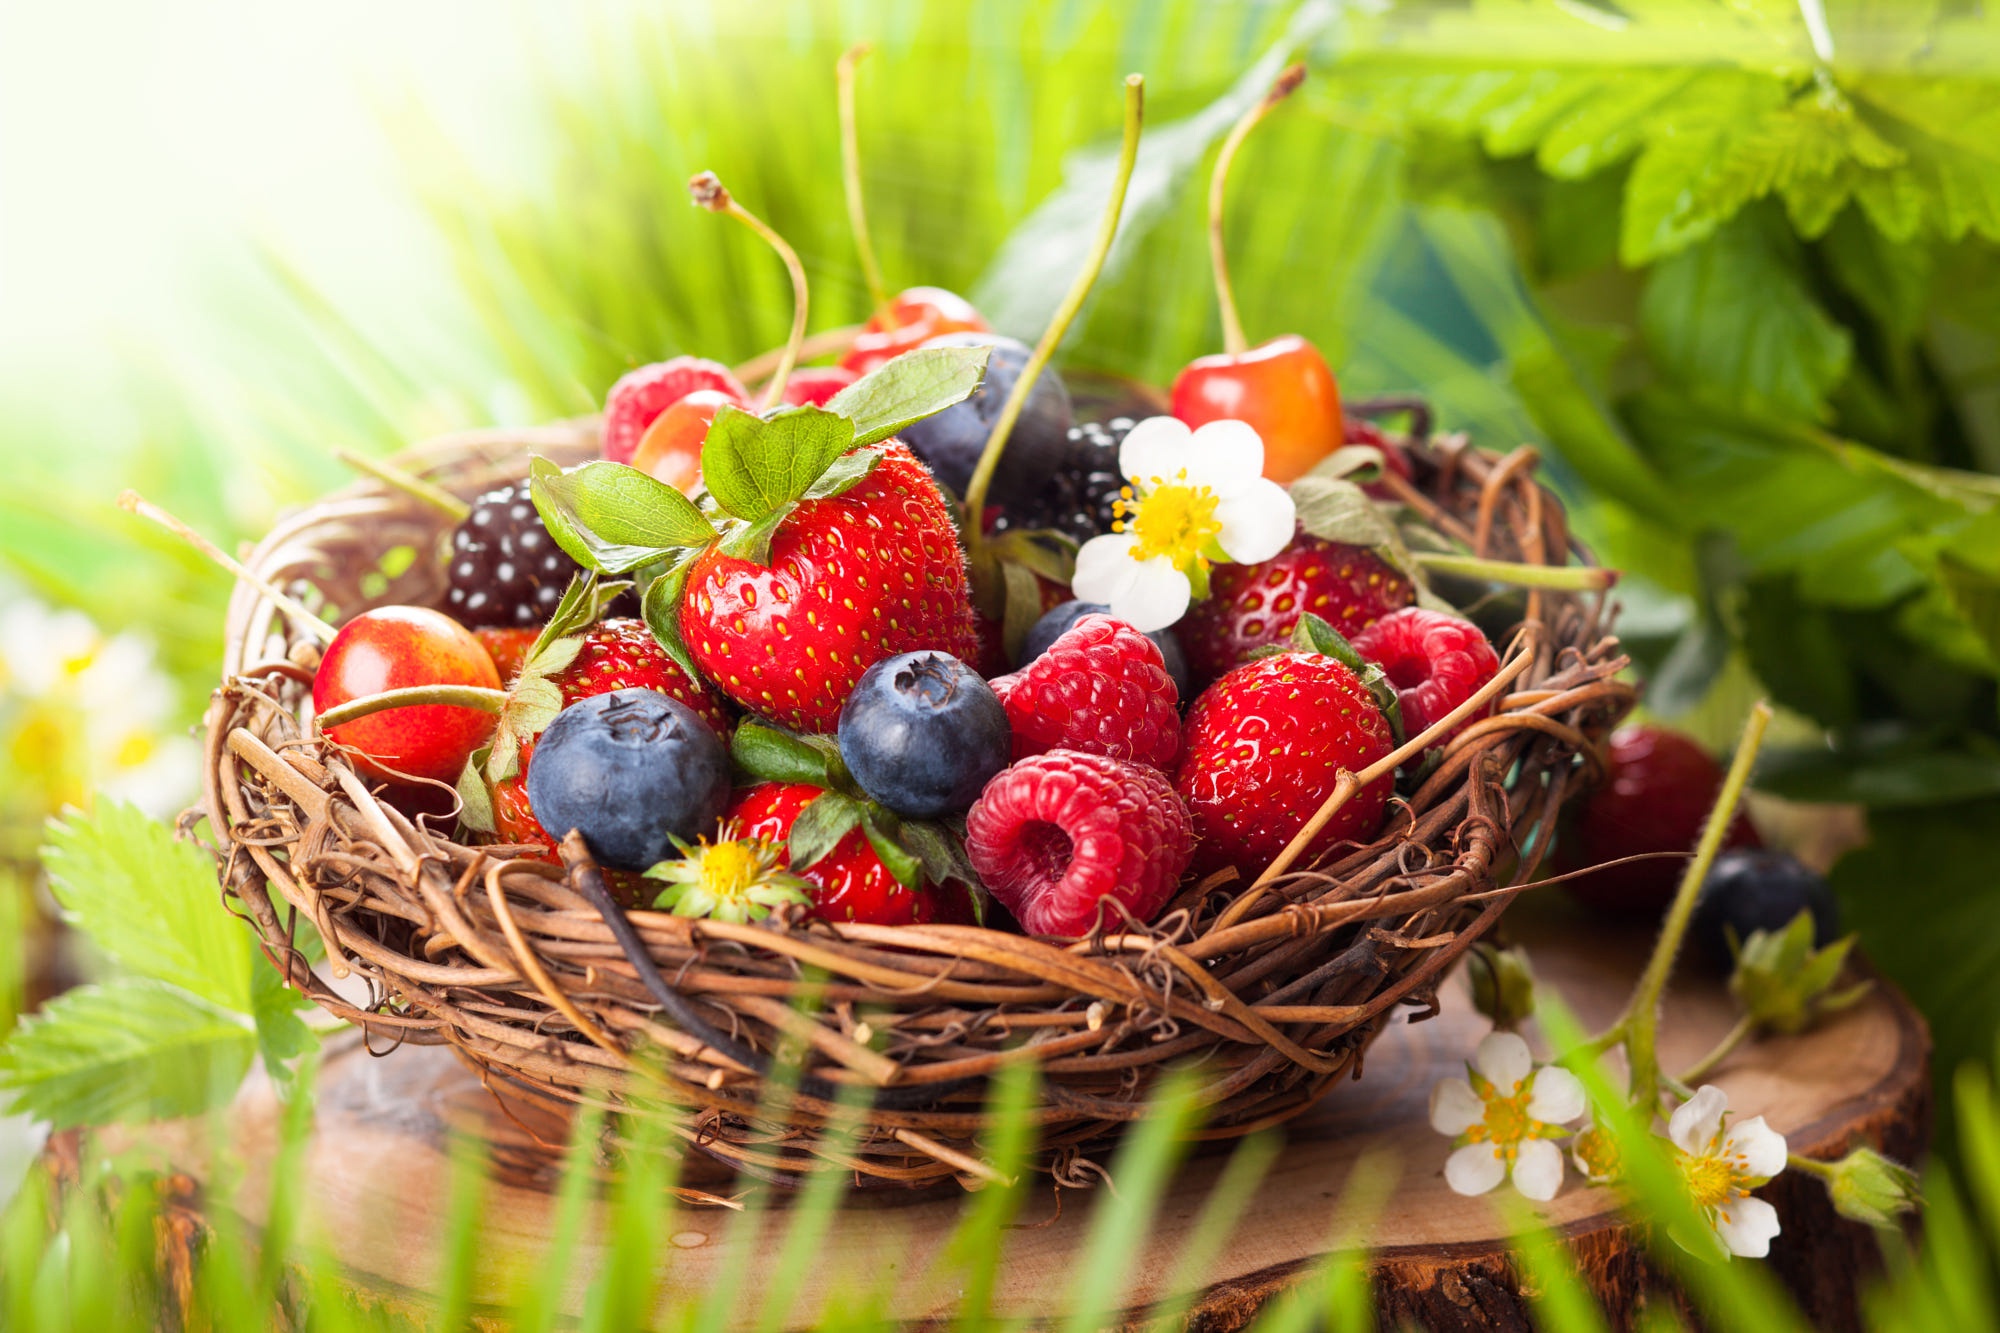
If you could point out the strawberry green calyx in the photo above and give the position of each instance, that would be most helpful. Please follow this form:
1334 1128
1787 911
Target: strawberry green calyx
534 699
1316 636
733 879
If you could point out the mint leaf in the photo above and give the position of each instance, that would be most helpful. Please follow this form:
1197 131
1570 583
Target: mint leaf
1730 320
915 385
771 755
128 1050
149 902
613 518
754 466
827 819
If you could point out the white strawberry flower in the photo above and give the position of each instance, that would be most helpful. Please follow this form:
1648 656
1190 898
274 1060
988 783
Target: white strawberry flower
1722 1163
1196 497
1503 1116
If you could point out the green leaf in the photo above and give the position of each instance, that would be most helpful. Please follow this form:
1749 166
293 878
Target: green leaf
754 466
904 391
128 1050
1731 320
752 541
1885 774
1314 635
844 474
475 798
771 755
1975 595
941 852
1337 510
661 606
881 829
1686 183
149 902
613 518
1022 608
827 819
282 1037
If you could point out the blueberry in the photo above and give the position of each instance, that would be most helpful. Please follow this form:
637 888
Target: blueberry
922 734
1750 889
631 770
1057 619
951 441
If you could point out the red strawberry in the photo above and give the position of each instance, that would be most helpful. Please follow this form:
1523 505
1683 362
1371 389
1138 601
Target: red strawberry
1657 788
1101 687
849 883
1255 606
851 579
1058 834
1435 661
1264 747
642 394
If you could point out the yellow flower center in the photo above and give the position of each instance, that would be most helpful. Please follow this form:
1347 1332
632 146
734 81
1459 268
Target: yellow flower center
1175 519
729 870
1598 1152
1711 1180
1506 1123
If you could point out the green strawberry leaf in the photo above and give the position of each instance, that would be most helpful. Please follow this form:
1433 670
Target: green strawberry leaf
942 852
771 755
753 466
882 829
613 518
661 607
282 1037
1023 606
583 604
819 828
1315 635
843 475
1336 510
752 541
915 385
475 798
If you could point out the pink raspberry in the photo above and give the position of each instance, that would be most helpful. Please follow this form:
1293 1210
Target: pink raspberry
1102 688
1435 661
1058 833
641 395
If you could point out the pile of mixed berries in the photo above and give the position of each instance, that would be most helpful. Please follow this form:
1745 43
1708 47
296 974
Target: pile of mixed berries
745 656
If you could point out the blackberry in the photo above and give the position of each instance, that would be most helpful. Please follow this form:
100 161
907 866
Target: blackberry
505 568
1079 498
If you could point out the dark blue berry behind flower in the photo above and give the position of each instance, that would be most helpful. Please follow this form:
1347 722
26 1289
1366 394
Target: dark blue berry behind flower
1753 888
1057 619
923 733
631 770
950 442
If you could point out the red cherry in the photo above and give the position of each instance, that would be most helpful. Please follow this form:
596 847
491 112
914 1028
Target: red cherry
638 398
393 648
816 384
670 450
913 317
1283 388
1657 788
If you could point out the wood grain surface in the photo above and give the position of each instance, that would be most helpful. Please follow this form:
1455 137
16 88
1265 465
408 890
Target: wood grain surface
378 1168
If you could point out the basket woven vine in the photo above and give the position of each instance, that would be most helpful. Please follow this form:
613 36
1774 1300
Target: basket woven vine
1269 989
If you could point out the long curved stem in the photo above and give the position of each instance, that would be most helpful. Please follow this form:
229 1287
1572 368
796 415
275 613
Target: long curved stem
710 193
1642 1016
1736 1036
850 177
134 503
1233 340
1107 231
409 483
1577 578
414 696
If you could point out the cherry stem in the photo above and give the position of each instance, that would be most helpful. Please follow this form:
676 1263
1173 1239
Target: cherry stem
850 176
1641 1022
450 696
1233 340
134 503
1571 578
1072 302
710 193
409 483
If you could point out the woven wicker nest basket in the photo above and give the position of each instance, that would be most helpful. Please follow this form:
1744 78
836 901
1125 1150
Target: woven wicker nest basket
1270 993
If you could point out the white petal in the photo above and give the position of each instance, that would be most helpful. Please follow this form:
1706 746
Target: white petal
1538 1170
1503 1060
1227 456
1455 1107
1257 522
1154 600
1761 1147
1105 568
1558 1097
1474 1169
1747 1226
1156 447
1694 1122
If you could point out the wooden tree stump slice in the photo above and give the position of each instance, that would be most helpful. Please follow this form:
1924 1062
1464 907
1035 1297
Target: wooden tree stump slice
378 1171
